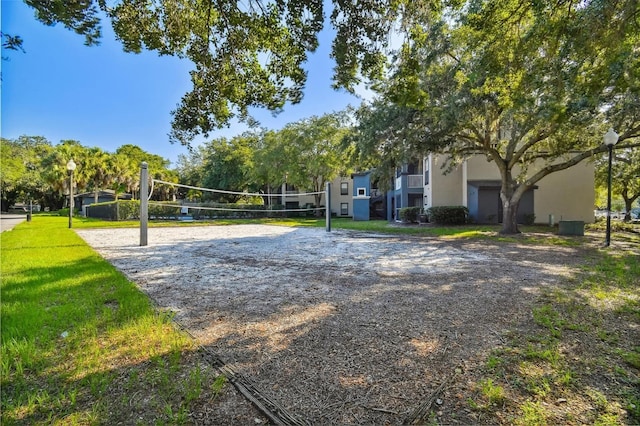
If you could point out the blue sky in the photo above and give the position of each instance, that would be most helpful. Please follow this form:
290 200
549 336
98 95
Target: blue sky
104 97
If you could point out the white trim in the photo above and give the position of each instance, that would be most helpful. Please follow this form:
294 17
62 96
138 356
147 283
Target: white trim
428 188
465 202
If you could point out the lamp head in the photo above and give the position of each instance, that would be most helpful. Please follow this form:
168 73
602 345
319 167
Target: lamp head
610 138
71 166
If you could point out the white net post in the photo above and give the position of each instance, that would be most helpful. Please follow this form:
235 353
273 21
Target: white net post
144 202
327 196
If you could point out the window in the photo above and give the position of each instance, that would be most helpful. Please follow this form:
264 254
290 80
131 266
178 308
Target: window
344 188
344 209
414 168
291 189
362 192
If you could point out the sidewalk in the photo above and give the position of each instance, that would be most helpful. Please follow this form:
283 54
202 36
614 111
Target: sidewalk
9 220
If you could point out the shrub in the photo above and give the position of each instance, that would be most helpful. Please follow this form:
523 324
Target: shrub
409 214
128 209
115 210
448 215
529 219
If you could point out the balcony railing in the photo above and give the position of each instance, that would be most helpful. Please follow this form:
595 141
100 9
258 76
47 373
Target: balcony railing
414 181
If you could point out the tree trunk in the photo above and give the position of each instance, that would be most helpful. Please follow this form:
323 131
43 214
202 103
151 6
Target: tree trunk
318 199
628 205
510 217
510 195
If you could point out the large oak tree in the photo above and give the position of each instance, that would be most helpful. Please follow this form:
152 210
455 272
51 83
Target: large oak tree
533 86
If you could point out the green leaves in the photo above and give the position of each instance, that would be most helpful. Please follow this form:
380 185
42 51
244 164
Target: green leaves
305 154
531 85
80 16
546 67
228 165
33 169
245 54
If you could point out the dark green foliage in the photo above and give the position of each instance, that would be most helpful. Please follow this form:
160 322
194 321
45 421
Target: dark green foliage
513 81
529 219
80 16
207 211
448 215
244 54
409 214
116 210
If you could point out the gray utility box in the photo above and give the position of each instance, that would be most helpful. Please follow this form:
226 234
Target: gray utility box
571 227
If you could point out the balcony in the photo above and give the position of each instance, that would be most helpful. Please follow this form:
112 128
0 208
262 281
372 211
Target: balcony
413 181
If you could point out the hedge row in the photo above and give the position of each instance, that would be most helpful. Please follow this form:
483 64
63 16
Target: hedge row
409 214
448 215
130 210
115 210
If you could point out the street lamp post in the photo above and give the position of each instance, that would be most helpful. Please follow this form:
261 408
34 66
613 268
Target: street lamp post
610 139
71 166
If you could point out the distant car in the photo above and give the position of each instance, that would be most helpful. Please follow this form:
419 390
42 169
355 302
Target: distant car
603 213
600 213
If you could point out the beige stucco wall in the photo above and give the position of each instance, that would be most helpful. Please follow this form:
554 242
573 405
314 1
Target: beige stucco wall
446 190
568 194
478 168
336 198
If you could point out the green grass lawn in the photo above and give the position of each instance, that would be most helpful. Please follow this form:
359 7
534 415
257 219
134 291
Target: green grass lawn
380 226
80 344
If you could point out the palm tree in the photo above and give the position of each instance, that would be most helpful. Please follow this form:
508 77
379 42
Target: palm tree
121 173
54 166
96 165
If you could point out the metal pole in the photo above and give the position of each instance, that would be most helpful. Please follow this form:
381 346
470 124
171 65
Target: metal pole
144 202
70 199
327 196
608 238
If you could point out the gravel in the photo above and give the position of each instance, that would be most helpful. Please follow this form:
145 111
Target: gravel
341 327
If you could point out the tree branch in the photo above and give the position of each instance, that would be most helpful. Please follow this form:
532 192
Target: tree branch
571 162
542 135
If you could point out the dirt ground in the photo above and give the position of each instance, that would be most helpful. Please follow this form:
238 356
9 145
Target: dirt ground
341 327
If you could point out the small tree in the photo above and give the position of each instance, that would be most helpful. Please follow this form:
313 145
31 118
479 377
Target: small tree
312 152
625 176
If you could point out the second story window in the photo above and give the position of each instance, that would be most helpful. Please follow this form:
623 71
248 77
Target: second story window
344 188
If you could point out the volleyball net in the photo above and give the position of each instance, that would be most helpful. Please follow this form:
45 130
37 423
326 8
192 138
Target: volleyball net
250 205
